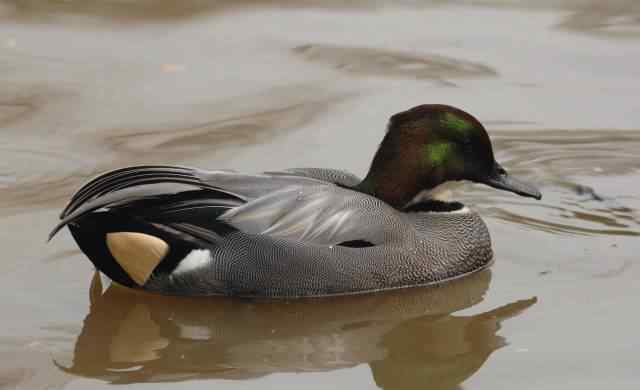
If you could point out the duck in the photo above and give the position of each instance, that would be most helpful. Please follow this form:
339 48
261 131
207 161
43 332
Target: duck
299 232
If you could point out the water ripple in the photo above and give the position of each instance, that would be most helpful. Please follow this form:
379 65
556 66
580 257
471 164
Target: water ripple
286 114
387 63
37 177
584 177
43 173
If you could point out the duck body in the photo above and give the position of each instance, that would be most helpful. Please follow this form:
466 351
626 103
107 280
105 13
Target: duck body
296 233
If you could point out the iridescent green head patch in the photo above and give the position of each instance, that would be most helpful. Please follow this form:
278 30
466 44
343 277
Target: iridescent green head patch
437 153
454 122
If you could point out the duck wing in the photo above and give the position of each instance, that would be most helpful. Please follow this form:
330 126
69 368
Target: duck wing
323 214
137 183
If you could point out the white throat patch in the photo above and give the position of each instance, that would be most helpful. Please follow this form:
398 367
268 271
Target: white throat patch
442 192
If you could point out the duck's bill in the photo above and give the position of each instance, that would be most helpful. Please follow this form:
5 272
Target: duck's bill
504 181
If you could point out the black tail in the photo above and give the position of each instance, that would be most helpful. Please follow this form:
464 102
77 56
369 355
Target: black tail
89 231
184 221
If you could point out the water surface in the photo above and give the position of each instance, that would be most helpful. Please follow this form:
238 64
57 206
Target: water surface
260 85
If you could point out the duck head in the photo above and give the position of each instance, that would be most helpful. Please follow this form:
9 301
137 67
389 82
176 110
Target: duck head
431 144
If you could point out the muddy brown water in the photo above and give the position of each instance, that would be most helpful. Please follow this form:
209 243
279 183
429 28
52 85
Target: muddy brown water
258 85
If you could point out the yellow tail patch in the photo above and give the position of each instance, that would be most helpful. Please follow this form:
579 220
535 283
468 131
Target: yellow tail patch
137 253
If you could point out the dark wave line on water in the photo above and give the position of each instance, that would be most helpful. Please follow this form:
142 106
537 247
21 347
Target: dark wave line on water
243 129
560 228
364 61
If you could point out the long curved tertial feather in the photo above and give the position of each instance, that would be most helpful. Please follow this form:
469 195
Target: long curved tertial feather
136 183
322 214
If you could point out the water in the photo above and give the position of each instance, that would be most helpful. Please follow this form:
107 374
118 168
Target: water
260 85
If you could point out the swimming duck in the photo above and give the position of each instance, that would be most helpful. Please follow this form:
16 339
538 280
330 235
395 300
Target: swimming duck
299 232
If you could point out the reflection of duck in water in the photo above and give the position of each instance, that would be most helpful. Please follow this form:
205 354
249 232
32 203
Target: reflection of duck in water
404 336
